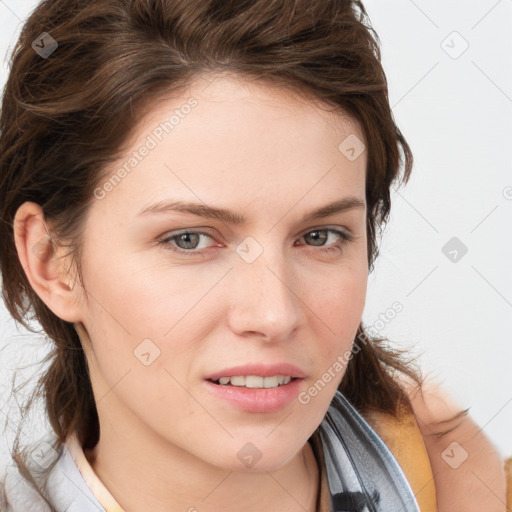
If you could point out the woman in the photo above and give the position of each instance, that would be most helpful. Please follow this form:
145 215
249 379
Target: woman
191 193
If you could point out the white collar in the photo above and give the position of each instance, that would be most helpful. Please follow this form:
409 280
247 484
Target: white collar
96 486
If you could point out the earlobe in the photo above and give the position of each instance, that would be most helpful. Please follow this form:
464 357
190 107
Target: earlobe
43 263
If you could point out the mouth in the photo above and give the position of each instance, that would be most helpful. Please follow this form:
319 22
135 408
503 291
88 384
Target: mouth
254 381
256 387
255 393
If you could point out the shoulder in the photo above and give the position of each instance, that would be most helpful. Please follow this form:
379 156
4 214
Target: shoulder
468 470
16 494
20 488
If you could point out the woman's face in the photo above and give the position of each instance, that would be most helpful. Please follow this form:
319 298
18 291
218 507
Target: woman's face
234 277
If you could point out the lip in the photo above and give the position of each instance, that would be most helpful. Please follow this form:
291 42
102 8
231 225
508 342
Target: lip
256 400
262 370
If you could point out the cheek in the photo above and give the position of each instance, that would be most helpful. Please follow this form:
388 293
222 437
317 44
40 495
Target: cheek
144 317
340 301
337 311
149 296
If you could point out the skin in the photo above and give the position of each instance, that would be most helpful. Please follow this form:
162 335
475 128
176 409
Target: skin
270 156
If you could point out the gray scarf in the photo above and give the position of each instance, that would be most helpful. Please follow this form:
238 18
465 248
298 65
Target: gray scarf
362 474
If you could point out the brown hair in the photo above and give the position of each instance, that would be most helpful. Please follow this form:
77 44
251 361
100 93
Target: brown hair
66 115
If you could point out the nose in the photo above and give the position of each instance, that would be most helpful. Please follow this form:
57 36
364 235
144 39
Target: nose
264 297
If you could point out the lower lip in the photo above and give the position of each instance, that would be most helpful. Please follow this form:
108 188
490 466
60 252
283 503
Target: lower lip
257 399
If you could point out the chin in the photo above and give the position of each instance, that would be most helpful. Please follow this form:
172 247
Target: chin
259 456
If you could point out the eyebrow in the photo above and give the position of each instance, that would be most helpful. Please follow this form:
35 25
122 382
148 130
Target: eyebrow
228 216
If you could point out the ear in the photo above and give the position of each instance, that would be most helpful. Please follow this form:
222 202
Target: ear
44 263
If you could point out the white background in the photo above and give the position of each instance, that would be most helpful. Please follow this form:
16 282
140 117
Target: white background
455 109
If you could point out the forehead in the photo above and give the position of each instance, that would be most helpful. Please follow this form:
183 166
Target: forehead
241 139
242 101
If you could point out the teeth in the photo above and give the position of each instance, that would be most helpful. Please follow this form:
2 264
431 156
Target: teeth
255 381
251 381
238 381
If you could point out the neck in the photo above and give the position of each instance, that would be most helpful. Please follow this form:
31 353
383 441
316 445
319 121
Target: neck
147 473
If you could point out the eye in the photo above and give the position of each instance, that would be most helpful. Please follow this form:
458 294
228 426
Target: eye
187 243
321 235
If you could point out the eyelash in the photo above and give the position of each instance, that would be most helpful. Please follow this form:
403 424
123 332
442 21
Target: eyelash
346 237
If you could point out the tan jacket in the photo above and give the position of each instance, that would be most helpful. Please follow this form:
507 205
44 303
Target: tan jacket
404 439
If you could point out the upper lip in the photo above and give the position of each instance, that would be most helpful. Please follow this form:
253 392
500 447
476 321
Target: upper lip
262 370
